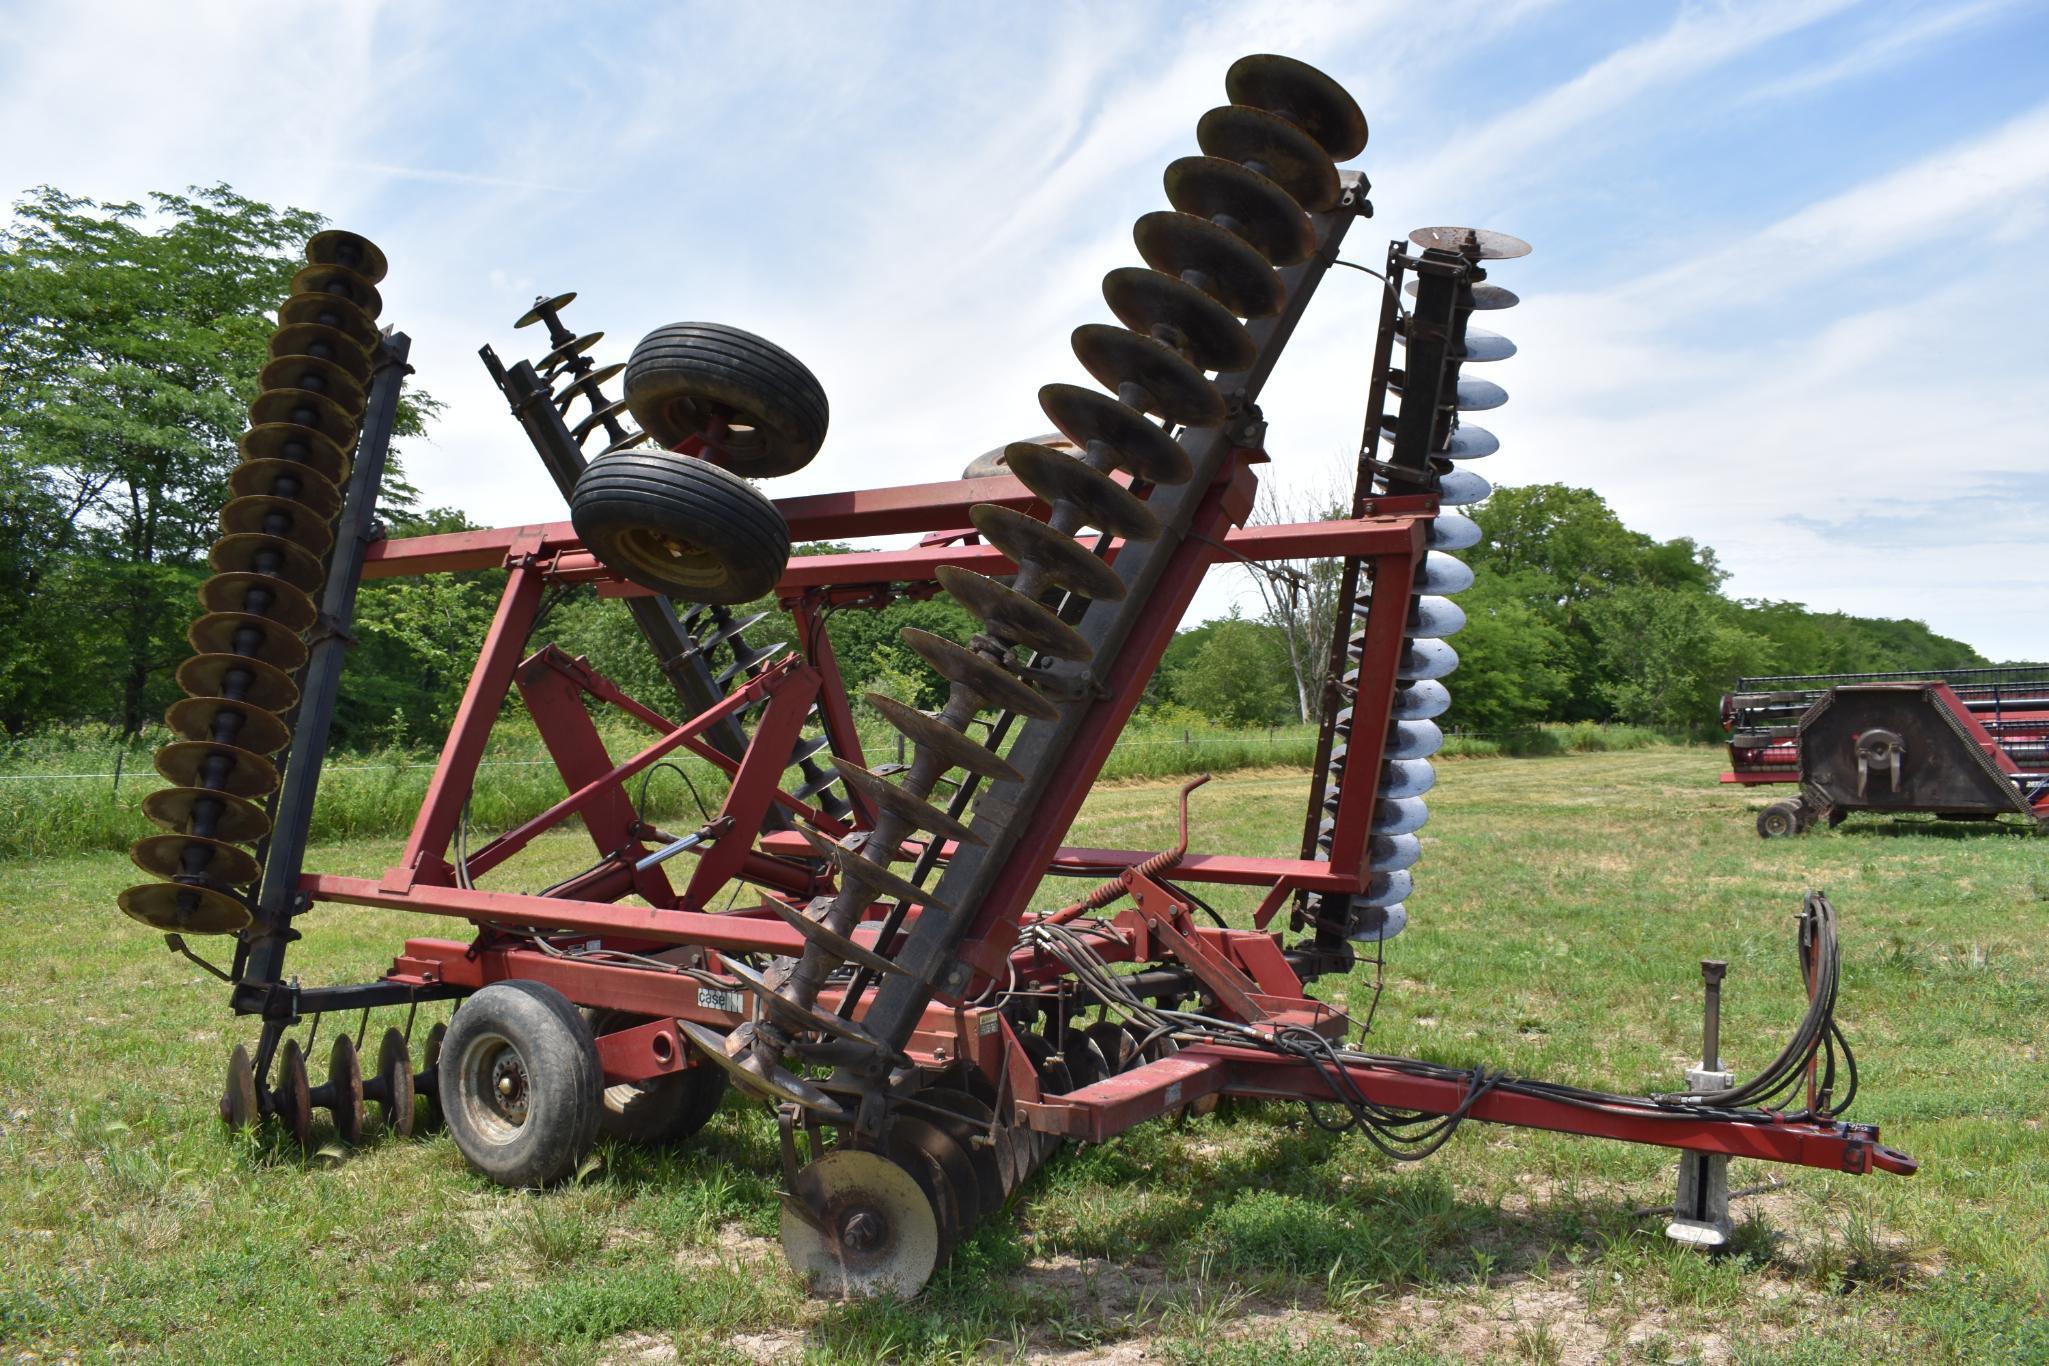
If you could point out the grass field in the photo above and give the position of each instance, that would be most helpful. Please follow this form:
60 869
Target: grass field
1561 909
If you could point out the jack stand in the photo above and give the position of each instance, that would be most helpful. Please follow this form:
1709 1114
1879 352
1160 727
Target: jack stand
1700 1216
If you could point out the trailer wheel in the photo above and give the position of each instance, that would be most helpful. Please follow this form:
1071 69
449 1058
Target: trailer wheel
680 526
1780 820
755 401
519 1081
661 1110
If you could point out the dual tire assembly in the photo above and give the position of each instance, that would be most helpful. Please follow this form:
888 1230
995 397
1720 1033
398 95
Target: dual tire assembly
684 521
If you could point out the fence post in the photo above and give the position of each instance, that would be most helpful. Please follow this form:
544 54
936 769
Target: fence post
119 755
1184 735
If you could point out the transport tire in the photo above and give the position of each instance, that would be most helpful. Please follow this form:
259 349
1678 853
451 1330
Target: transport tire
520 1084
661 1110
684 378
1780 820
681 526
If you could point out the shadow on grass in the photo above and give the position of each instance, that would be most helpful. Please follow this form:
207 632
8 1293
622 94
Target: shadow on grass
1936 827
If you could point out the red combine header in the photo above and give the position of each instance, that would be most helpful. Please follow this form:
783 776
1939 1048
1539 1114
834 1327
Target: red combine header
1970 744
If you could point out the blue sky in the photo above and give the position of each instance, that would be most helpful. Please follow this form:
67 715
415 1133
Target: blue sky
1787 295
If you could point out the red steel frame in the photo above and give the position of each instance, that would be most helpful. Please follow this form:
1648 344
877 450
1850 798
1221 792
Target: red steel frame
675 928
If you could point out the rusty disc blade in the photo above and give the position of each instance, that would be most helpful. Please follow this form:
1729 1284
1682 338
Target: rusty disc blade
1245 202
840 946
292 1101
317 376
326 343
1011 614
326 310
776 1083
260 595
569 350
1475 244
543 307
597 418
240 677
339 282
345 1090
804 1017
238 633
270 515
929 732
1177 314
971 1124
901 1234
1273 147
256 553
873 877
904 803
196 718
225 865
177 909
587 384
964 1183
1174 389
978 673
1087 416
394 1085
1066 562
181 808
1304 96
625 443
300 445
286 479
305 408
352 251
245 772
1219 263
238 1097
1101 500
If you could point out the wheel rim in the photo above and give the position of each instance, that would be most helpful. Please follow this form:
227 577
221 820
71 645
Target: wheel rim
494 1092
670 558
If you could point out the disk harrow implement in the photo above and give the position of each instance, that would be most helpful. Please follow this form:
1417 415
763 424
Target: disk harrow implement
851 940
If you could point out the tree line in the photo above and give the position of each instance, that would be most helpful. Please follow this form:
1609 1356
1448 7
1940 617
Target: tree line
131 338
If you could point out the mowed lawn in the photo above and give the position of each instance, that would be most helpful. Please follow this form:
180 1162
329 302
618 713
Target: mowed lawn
1562 907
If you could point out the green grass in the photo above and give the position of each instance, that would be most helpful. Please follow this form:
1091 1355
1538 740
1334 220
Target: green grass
1562 907
80 790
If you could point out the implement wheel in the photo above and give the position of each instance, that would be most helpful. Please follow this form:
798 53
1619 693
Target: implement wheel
753 401
520 1084
1780 820
660 1110
681 526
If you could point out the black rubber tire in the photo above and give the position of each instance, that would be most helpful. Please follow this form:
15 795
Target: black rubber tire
535 1032
661 1110
1780 820
681 526
682 376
